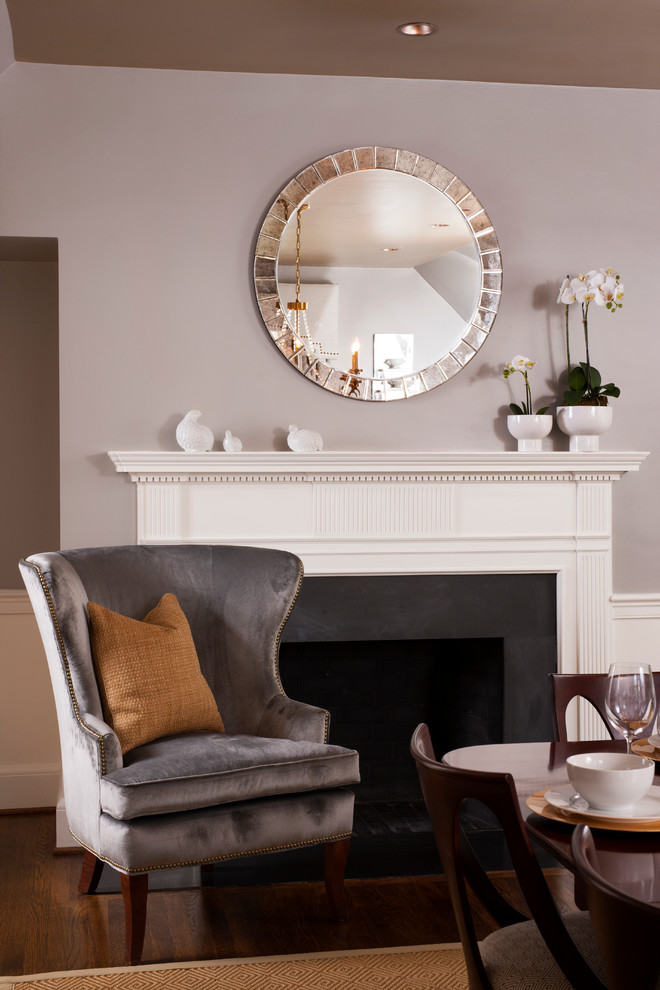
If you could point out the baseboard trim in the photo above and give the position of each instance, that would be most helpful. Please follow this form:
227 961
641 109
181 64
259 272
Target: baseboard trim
29 786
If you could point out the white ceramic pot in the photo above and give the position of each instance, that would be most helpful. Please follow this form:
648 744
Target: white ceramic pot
529 431
584 425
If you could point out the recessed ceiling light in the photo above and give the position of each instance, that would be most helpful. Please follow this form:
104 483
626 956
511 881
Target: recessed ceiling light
417 28
389 249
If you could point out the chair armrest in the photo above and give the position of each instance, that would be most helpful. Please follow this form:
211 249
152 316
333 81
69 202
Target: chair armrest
284 718
109 740
90 748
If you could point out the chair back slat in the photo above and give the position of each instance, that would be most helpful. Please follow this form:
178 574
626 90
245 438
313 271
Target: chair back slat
591 687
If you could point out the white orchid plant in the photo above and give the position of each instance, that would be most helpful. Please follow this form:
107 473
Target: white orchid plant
603 287
524 365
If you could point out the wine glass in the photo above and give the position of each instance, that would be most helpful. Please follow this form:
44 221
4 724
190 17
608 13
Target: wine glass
630 698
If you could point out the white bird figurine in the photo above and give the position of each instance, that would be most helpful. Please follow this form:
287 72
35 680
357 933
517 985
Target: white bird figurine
304 441
191 435
231 443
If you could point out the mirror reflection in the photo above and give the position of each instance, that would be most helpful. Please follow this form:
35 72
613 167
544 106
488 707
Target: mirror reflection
379 275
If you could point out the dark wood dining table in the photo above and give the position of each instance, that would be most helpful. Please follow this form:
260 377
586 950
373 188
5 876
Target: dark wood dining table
629 859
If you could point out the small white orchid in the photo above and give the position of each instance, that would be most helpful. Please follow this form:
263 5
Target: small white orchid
602 286
523 365
518 363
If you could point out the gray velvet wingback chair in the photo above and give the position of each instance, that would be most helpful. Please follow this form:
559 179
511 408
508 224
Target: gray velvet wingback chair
270 782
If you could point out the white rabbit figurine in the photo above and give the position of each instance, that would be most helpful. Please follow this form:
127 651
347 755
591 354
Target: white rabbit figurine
191 435
304 441
231 443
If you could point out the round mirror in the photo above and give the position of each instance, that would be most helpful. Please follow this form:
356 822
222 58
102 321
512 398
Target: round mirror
378 274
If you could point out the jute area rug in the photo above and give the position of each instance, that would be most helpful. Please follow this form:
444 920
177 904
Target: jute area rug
421 967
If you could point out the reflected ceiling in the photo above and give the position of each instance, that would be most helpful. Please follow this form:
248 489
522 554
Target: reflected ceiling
377 220
567 42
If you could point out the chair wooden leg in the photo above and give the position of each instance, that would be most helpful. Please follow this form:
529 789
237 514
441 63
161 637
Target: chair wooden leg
92 869
134 889
336 854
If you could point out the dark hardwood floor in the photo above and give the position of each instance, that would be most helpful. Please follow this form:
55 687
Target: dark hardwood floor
46 926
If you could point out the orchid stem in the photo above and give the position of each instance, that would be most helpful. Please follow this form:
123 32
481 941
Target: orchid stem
585 310
528 393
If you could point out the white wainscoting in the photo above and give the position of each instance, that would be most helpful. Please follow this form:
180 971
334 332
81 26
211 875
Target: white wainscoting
14 602
636 623
29 741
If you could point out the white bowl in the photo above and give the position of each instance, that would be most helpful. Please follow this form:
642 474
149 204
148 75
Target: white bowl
610 781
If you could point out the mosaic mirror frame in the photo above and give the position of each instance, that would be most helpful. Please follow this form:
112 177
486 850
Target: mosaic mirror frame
292 348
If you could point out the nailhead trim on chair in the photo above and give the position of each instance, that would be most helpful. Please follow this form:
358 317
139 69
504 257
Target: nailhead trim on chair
276 666
65 660
211 859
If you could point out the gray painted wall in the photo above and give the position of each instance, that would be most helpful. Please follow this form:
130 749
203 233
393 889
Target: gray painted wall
156 182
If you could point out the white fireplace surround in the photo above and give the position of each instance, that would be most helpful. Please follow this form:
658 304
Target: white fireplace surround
407 512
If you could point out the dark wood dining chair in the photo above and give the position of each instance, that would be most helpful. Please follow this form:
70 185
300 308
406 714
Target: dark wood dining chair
591 687
553 950
626 928
565 687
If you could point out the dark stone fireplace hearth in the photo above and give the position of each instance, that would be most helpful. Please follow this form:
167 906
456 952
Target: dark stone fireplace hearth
468 654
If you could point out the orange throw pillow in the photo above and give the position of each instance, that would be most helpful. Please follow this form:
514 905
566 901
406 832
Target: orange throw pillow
149 676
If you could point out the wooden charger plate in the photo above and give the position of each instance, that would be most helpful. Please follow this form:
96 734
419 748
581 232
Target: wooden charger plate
644 748
537 803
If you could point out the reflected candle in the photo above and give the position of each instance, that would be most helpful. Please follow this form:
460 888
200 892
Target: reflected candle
355 348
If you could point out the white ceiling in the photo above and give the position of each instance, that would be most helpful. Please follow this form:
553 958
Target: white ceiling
555 42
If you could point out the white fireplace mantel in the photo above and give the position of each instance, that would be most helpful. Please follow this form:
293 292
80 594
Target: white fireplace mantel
218 465
406 512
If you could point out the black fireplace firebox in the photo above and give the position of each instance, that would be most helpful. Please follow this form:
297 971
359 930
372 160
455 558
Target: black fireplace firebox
468 654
